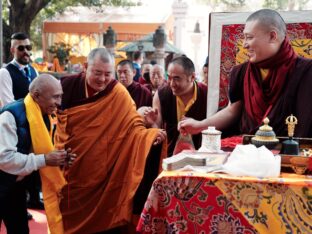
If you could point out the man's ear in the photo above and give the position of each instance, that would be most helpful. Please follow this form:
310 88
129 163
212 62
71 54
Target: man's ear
35 95
12 50
273 36
85 66
193 76
134 72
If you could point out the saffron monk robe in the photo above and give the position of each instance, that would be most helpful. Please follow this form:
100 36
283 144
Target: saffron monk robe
99 121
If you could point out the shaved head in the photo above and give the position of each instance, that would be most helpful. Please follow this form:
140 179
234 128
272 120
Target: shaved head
270 20
47 92
43 82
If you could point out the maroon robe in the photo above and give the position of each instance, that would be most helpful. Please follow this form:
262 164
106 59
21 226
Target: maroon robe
295 99
169 113
77 82
140 94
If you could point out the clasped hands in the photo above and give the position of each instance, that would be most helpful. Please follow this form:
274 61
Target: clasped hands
63 158
150 116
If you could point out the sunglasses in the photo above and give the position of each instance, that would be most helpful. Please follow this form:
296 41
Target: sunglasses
23 47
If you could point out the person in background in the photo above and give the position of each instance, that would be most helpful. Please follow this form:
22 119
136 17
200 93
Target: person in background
145 78
56 67
274 83
99 122
205 73
139 93
137 59
26 146
157 76
15 78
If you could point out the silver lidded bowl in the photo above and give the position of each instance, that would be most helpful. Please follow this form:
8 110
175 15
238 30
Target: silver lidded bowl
265 136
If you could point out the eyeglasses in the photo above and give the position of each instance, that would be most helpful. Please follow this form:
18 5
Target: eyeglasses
23 47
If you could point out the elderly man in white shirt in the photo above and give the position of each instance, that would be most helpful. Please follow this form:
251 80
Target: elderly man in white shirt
26 128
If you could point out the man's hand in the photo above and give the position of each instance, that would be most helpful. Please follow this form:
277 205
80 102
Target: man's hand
161 136
149 115
189 126
55 158
70 158
60 158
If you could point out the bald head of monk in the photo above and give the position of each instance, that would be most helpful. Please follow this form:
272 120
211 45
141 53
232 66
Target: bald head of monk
47 92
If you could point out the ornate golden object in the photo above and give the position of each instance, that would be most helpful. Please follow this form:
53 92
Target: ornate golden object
291 121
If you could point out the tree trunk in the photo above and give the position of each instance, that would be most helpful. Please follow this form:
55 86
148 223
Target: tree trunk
21 14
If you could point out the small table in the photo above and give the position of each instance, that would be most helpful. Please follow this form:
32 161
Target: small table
191 202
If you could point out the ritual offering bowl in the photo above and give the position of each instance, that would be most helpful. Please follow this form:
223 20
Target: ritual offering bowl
299 164
265 136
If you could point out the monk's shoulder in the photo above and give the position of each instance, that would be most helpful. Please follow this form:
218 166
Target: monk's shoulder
121 90
71 82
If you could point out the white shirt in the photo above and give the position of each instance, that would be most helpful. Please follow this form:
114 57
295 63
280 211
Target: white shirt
6 85
12 161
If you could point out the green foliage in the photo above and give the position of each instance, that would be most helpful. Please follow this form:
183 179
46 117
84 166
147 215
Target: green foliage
61 51
28 15
276 4
285 4
233 3
272 4
228 4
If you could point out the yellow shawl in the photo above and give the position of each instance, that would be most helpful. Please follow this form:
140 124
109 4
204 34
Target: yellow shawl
51 177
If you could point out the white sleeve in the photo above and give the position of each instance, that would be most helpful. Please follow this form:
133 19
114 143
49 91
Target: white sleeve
6 87
12 161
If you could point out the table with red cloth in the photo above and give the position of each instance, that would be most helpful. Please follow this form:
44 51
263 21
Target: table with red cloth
192 202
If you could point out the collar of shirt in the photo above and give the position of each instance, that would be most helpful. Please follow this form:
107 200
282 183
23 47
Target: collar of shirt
19 66
181 108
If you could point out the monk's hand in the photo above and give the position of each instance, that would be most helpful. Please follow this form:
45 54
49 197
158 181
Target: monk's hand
149 115
189 126
56 158
70 158
161 136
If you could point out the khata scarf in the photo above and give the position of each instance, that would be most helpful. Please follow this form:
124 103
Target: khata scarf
51 177
259 95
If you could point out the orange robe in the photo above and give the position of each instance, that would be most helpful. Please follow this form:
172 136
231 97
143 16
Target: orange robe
56 65
112 144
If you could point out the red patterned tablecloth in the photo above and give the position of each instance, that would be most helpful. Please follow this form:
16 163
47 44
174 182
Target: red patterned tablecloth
188 202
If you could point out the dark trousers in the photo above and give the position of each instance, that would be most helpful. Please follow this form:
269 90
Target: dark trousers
151 171
13 210
32 184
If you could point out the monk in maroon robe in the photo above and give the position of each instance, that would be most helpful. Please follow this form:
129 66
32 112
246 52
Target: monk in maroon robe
182 97
274 83
139 93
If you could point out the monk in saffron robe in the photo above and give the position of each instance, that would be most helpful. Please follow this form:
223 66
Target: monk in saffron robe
100 123
139 93
274 83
